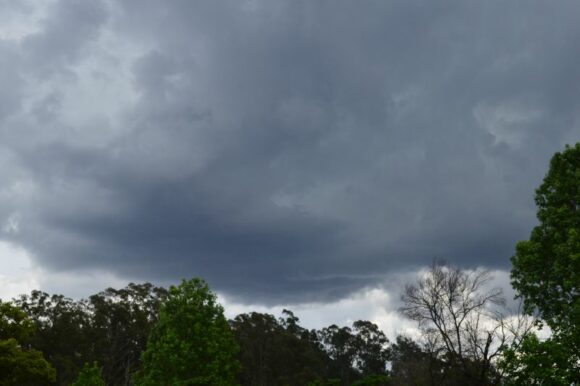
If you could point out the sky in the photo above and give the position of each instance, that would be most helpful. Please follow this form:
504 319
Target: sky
313 154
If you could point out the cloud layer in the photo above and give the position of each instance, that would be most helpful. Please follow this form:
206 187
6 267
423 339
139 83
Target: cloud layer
283 150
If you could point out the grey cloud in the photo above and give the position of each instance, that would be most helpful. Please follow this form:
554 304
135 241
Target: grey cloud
290 150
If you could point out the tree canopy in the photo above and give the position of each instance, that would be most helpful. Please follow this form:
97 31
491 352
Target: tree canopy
20 366
192 343
546 269
90 375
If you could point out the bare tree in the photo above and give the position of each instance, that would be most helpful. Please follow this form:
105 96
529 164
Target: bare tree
464 322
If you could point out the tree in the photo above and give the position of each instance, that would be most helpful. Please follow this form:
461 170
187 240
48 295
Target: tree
192 343
14 323
62 332
277 351
537 362
461 321
90 376
411 365
111 328
546 268
341 347
19 366
121 321
372 351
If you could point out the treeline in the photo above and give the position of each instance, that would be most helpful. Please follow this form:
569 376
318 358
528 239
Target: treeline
112 328
148 335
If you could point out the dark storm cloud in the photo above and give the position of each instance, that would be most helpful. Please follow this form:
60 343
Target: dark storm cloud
283 150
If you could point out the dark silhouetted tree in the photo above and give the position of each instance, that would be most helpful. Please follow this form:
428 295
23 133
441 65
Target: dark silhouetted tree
62 332
277 351
372 348
121 321
462 321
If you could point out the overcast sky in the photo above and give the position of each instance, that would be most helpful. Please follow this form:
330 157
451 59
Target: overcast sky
288 152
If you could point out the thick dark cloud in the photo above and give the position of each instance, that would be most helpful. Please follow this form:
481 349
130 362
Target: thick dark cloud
283 150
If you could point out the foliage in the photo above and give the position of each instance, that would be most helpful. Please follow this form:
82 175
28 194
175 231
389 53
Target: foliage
61 332
411 365
537 362
111 328
89 376
340 345
192 343
14 323
19 366
121 321
373 380
546 268
372 352
277 352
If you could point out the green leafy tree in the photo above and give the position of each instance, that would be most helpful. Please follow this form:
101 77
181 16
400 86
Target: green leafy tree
90 375
536 362
14 323
20 366
192 343
546 268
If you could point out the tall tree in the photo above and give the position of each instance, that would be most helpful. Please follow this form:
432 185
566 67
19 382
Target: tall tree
62 332
411 365
341 345
277 351
192 343
372 350
121 321
461 320
546 268
111 328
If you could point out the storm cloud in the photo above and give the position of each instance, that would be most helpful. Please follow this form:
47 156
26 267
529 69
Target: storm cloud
282 150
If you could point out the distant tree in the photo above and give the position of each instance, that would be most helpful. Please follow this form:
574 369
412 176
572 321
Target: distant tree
277 351
62 332
341 345
90 375
372 348
111 328
546 269
121 321
303 350
411 365
462 322
20 366
192 343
